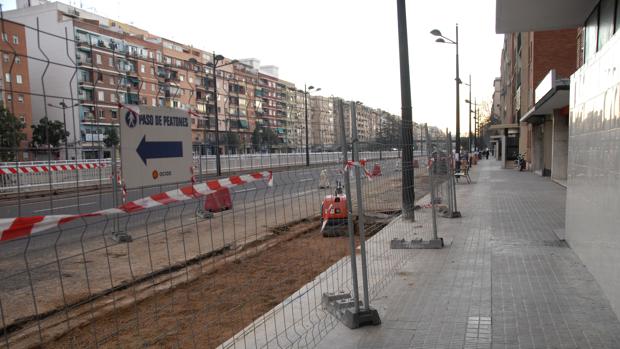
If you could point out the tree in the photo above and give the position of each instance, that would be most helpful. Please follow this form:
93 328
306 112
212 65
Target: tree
111 137
231 140
48 133
264 137
390 133
11 134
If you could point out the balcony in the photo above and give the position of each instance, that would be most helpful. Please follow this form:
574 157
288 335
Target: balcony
84 60
84 46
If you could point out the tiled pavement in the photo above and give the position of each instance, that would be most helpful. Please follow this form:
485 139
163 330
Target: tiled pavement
506 281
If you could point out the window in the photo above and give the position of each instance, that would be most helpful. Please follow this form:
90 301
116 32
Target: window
100 96
5 58
18 78
591 35
142 68
191 80
111 62
607 9
15 39
152 71
99 76
7 77
153 101
9 97
112 80
22 118
113 97
98 59
114 114
20 98
143 85
153 87
100 113
18 60
5 37
182 77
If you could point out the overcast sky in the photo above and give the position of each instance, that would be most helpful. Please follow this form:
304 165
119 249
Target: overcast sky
349 48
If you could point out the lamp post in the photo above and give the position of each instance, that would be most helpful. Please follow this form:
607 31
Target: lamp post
475 111
307 90
408 193
64 106
214 65
444 40
467 101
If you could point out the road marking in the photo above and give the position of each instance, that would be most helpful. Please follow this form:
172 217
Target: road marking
61 207
306 179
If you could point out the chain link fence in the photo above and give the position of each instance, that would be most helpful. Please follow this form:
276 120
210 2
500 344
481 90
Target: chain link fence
239 260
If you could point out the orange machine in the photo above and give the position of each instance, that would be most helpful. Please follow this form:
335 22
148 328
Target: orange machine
334 214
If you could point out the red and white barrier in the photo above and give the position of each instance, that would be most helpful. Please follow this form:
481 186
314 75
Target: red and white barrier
361 164
13 228
51 168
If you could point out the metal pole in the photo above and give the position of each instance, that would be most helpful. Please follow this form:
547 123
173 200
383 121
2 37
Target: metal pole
360 205
347 187
431 172
218 165
64 123
306 112
408 193
469 134
458 97
115 187
449 170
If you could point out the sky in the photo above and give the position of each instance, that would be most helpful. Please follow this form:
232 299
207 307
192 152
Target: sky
348 48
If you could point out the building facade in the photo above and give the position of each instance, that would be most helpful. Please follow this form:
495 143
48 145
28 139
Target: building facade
593 186
14 72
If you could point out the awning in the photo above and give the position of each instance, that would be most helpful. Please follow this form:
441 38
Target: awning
550 94
535 15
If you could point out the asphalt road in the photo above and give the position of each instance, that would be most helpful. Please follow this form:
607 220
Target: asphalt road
299 182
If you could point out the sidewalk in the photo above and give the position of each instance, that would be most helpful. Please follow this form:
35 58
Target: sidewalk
506 280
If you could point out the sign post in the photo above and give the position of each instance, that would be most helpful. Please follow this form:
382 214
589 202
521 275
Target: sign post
156 146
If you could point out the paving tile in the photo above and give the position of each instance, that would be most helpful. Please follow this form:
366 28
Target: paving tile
506 281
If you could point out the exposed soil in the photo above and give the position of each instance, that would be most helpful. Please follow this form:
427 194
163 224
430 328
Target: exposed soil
214 307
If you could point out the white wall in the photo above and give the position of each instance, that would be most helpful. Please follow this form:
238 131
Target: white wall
593 194
56 80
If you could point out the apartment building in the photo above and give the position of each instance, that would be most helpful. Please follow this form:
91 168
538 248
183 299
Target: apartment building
533 97
96 63
322 123
593 186
14 74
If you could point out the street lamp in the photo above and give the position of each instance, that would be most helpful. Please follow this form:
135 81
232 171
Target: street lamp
64 106
214 65
468 101
475 105
475 111
307 90
444 40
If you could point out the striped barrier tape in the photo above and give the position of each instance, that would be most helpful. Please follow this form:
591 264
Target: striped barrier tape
50 168
361 164
14 228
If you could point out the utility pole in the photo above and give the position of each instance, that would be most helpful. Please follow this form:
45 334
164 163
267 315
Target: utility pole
469 134
408 193
306 112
